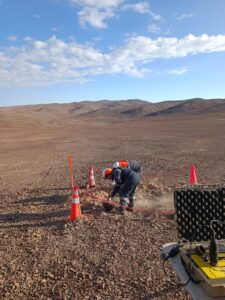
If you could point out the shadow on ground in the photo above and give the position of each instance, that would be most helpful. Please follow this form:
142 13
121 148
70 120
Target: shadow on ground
48 224
35 215
27 217
49 200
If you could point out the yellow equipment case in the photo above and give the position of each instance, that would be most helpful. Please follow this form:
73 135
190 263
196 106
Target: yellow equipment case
200 217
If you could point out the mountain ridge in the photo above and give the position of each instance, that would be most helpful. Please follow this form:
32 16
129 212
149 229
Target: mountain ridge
132 108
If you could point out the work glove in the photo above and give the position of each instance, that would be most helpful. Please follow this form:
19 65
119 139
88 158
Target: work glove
113 183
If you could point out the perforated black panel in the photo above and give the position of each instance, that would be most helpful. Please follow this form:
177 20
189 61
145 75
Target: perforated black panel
195 208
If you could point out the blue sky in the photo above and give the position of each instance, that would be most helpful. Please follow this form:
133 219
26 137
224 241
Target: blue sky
73 50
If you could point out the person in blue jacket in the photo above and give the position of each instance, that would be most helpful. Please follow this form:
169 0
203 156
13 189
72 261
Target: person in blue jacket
132 164
126 182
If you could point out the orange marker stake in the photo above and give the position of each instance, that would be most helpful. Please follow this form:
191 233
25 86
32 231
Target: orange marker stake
70 159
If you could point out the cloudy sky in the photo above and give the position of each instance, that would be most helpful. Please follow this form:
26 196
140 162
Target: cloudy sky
72 50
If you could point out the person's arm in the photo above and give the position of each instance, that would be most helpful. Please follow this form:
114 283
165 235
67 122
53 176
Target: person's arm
117 177
115 191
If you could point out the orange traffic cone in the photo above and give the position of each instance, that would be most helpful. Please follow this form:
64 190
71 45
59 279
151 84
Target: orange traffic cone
193 176
75 211
91 178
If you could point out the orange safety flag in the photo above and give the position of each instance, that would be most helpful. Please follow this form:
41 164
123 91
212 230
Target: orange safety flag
70 159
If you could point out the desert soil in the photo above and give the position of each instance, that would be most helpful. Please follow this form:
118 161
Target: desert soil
104 255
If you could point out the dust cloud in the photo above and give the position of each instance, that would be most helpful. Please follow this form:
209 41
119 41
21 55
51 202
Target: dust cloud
163 201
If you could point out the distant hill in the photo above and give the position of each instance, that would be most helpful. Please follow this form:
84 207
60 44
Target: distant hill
133 108
193 106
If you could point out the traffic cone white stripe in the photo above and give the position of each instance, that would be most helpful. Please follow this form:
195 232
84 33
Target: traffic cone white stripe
91 179
75 211
75 200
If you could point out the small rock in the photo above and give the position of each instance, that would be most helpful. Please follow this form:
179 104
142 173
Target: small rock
50 275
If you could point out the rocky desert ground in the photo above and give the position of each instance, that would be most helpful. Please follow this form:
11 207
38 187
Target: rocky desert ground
103 255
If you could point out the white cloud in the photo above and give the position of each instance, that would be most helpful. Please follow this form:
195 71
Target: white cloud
102 4
56 29
28 39
153 28
12 38
95 17
97 38
40 45
142 7
36 16
184 16
178 71
43 63
156 17
96 12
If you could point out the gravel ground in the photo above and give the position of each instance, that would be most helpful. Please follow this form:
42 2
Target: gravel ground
101 256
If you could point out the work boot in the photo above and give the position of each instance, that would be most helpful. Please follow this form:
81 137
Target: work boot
130 208
122 210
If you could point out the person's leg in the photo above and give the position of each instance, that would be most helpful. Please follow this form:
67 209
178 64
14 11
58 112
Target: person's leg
127 191
123 204
124 197
132 199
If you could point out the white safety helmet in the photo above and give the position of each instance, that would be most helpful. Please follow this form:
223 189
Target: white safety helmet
116 165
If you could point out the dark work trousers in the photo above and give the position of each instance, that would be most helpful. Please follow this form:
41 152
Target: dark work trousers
128 188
